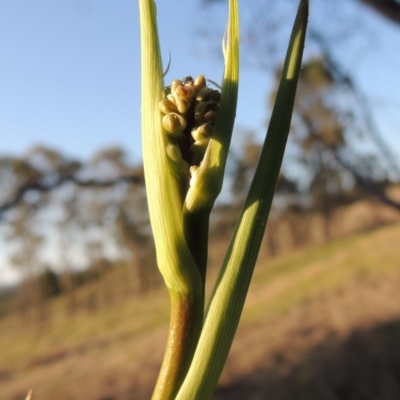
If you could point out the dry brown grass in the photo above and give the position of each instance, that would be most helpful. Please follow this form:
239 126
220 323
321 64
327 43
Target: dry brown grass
320 323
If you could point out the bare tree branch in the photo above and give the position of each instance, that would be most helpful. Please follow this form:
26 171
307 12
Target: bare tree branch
44 187
346 79
369 187
388 8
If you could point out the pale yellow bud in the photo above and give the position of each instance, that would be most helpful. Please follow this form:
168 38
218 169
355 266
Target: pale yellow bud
180 166
182 105
166 106
174 152
199 83
174 123
172 98
185 92
202 132
175 84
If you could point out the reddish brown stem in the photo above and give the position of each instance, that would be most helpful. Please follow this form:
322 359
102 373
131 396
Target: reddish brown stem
184 330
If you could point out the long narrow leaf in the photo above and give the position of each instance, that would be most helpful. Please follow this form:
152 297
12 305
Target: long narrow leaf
231 288
173 256
210 175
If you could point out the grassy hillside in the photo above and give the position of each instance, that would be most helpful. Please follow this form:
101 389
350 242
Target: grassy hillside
319 323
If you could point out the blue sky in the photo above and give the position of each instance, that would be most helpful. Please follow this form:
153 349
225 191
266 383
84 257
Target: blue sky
70 71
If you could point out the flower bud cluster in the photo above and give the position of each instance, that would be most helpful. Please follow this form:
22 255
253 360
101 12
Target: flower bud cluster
190 109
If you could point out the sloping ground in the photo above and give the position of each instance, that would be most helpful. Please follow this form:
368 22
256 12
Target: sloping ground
320 323
340 344
330 330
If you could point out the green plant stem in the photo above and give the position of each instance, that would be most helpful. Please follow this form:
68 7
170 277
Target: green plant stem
195 227
185 326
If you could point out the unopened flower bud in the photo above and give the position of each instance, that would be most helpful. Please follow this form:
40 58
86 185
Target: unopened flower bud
185 92
175 84
199 83
203 108
174 152
166 106
202 93
202 132
210 116
214 95
171 98
174 123
188 80
182 105
179 165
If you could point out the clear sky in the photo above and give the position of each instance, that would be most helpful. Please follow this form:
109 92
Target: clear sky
70 71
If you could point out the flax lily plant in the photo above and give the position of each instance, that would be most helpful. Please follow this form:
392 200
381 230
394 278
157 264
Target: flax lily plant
186 130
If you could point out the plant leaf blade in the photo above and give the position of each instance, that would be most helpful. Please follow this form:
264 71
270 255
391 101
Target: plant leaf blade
231 288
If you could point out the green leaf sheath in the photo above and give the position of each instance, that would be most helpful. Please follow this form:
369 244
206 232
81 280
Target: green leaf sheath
202 195
231 288
174 258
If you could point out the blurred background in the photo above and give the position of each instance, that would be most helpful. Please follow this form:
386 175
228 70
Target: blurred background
83 310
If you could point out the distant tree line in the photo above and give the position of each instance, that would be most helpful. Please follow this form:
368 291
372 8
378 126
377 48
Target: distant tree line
68 222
